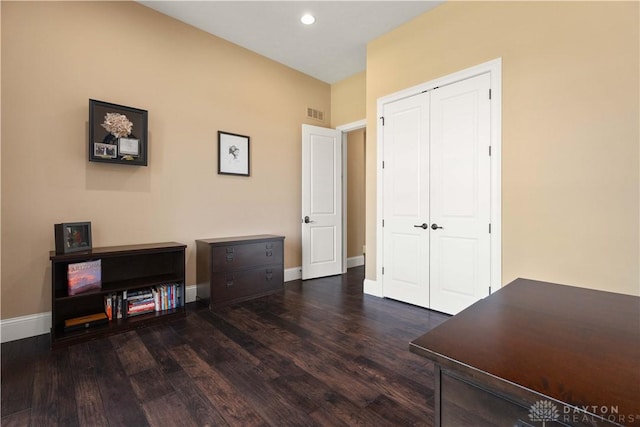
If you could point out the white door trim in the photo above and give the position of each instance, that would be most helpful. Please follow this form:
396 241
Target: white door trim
346 128
493 67
352 126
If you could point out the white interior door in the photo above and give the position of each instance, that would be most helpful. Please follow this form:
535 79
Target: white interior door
321 202
406 200
460 194
436 196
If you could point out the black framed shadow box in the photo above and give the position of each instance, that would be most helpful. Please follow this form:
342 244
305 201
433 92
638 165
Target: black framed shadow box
117 134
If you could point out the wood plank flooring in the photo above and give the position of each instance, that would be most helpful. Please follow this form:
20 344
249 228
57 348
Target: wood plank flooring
319 354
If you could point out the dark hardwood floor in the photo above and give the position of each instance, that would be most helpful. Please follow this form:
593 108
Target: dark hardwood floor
321 353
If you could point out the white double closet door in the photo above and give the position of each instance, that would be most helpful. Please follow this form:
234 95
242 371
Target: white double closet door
436 196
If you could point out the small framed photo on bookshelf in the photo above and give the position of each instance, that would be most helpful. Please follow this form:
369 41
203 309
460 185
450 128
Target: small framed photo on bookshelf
72 237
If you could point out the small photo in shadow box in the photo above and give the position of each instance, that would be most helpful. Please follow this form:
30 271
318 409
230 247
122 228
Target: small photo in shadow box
72 237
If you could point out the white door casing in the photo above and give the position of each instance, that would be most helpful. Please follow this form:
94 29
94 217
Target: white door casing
406 200
460 173
321 202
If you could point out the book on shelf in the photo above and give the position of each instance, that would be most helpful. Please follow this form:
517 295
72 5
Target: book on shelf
108 306
140 294
119 306
142 307
84 277
85 322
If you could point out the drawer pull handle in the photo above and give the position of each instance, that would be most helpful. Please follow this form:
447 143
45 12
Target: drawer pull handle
269 275
230 250
269 253
229 257
269 245
229 282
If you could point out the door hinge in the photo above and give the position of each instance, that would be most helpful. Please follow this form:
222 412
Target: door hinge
382 270
489 93
383 164
489 290
382 118
489 150
383 222
489 228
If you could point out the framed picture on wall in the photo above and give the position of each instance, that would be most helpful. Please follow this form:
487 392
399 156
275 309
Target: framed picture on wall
233 154
117 134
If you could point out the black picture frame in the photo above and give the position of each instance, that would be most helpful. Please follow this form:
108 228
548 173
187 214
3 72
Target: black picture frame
72 237
119 148
234 154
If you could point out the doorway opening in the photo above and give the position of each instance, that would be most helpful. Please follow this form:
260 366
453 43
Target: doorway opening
354 207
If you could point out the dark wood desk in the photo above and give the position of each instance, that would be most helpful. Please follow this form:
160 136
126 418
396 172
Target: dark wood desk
532 343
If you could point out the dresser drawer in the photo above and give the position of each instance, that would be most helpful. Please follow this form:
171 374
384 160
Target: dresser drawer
248 255
241 285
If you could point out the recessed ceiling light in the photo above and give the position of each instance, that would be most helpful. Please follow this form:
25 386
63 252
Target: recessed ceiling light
307 19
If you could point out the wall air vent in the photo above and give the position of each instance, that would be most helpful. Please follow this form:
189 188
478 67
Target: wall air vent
312 113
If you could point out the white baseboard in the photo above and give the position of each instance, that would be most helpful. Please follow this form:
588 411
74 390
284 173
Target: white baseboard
372 287
294 273
32 325
355 261
190 293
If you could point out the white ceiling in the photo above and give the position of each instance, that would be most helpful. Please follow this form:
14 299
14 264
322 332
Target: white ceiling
330 50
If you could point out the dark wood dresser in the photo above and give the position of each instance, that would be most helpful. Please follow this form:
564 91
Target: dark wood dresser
536 353
234 269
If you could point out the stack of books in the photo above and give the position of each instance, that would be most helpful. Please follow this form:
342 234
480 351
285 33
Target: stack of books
140 302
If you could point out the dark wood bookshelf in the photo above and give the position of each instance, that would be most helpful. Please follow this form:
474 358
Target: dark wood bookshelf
123 268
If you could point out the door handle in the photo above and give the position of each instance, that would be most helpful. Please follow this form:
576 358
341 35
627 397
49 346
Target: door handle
434 226
306 220
424 226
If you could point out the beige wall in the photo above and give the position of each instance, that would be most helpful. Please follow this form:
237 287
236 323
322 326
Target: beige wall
348 100
55 56
570 127
355 192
